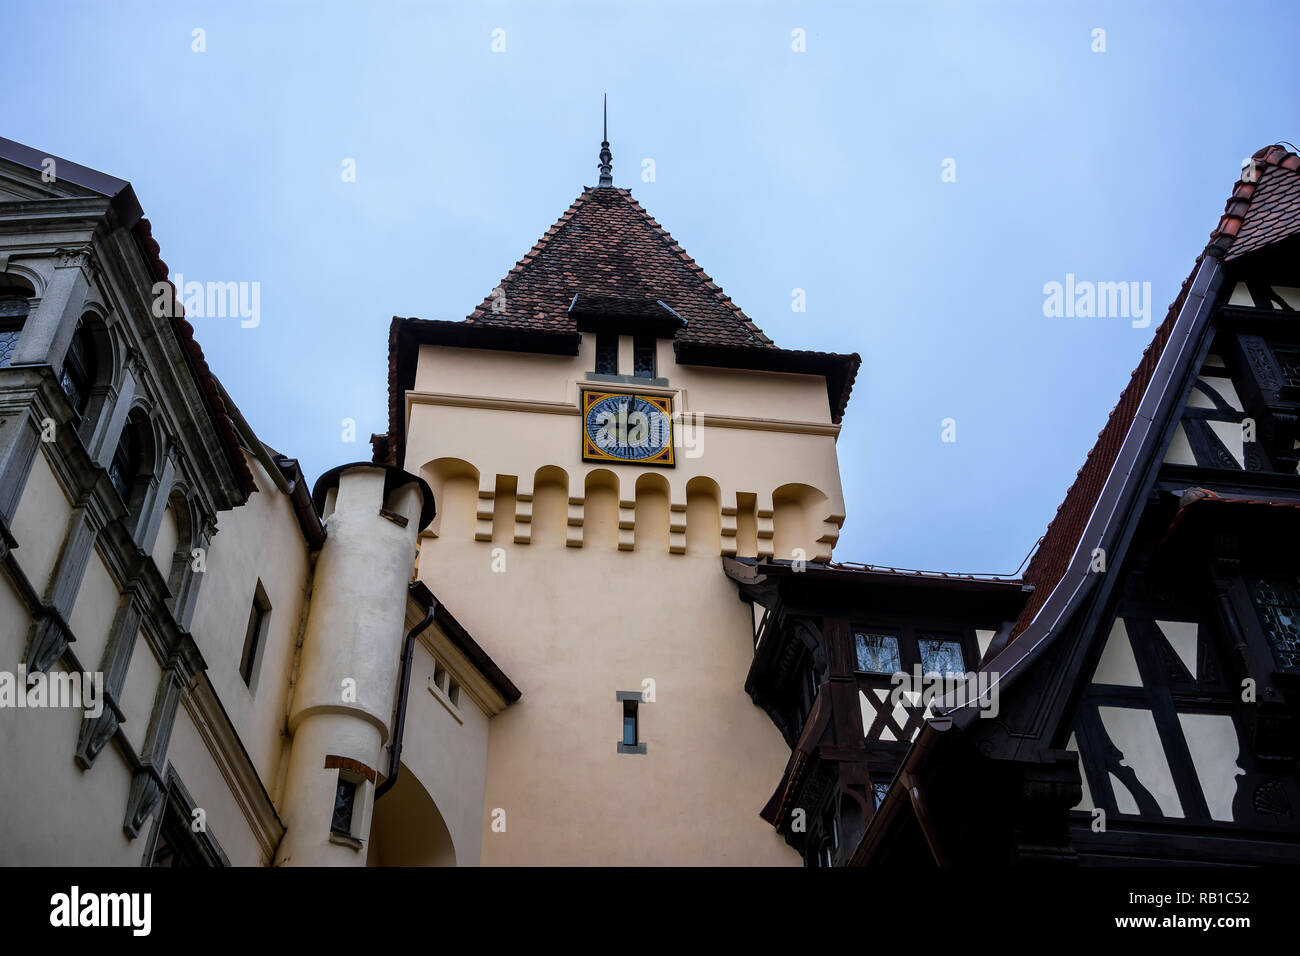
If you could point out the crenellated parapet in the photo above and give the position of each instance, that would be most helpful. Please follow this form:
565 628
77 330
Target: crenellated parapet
630 511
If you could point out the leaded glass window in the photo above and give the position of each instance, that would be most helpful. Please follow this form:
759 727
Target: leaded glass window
1278 603
606 354
877 653
345 799
942 657
13 311
878 791
9 333
643 357
1288 361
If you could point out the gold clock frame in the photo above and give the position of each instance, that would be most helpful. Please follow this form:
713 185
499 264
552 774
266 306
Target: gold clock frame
664 458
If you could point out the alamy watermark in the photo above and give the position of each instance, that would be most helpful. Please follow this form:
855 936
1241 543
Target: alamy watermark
73 909
210 300
974 688
55 689
1098 300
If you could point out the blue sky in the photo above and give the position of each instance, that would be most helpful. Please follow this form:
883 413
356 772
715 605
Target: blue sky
777 170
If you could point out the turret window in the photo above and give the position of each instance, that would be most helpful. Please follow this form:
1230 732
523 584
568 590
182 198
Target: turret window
345 804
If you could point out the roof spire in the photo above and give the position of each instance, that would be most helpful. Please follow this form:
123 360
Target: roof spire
606 168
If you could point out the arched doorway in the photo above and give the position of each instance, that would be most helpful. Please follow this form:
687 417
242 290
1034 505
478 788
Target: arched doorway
407 829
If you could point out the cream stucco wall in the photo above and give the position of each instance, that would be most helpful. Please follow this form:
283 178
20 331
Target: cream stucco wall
54 814
259 541
40 522
582 580
445 749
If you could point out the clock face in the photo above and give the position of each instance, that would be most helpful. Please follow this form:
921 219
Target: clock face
636 429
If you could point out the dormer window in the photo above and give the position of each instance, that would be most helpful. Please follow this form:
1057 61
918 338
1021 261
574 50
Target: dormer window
606 353
643 357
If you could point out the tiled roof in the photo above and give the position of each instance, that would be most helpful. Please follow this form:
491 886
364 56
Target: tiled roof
605 254
127 208
203 375
1271 196
607 245
1259 212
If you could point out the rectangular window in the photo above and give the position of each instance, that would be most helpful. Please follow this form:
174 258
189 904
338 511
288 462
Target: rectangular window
1288 360
255 636
942 657
877 653
630 741
629 723
643 357
345 801
1277 602
606 353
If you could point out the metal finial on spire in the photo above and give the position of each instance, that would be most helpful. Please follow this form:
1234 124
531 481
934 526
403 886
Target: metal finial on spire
606 157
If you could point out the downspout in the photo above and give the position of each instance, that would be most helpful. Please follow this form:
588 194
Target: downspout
399 724
923 818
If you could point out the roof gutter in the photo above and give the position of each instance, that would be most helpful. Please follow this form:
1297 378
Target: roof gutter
404 690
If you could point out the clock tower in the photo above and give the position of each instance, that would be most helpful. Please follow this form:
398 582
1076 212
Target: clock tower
599 433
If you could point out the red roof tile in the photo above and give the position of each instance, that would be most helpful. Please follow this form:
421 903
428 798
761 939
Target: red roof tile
207 382
610 254
1264 208
606 244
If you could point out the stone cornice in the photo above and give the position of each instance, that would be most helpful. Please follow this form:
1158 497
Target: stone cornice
236 767
703 419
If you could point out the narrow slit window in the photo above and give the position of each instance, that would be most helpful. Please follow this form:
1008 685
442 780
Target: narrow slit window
629 723
255 636
345 801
